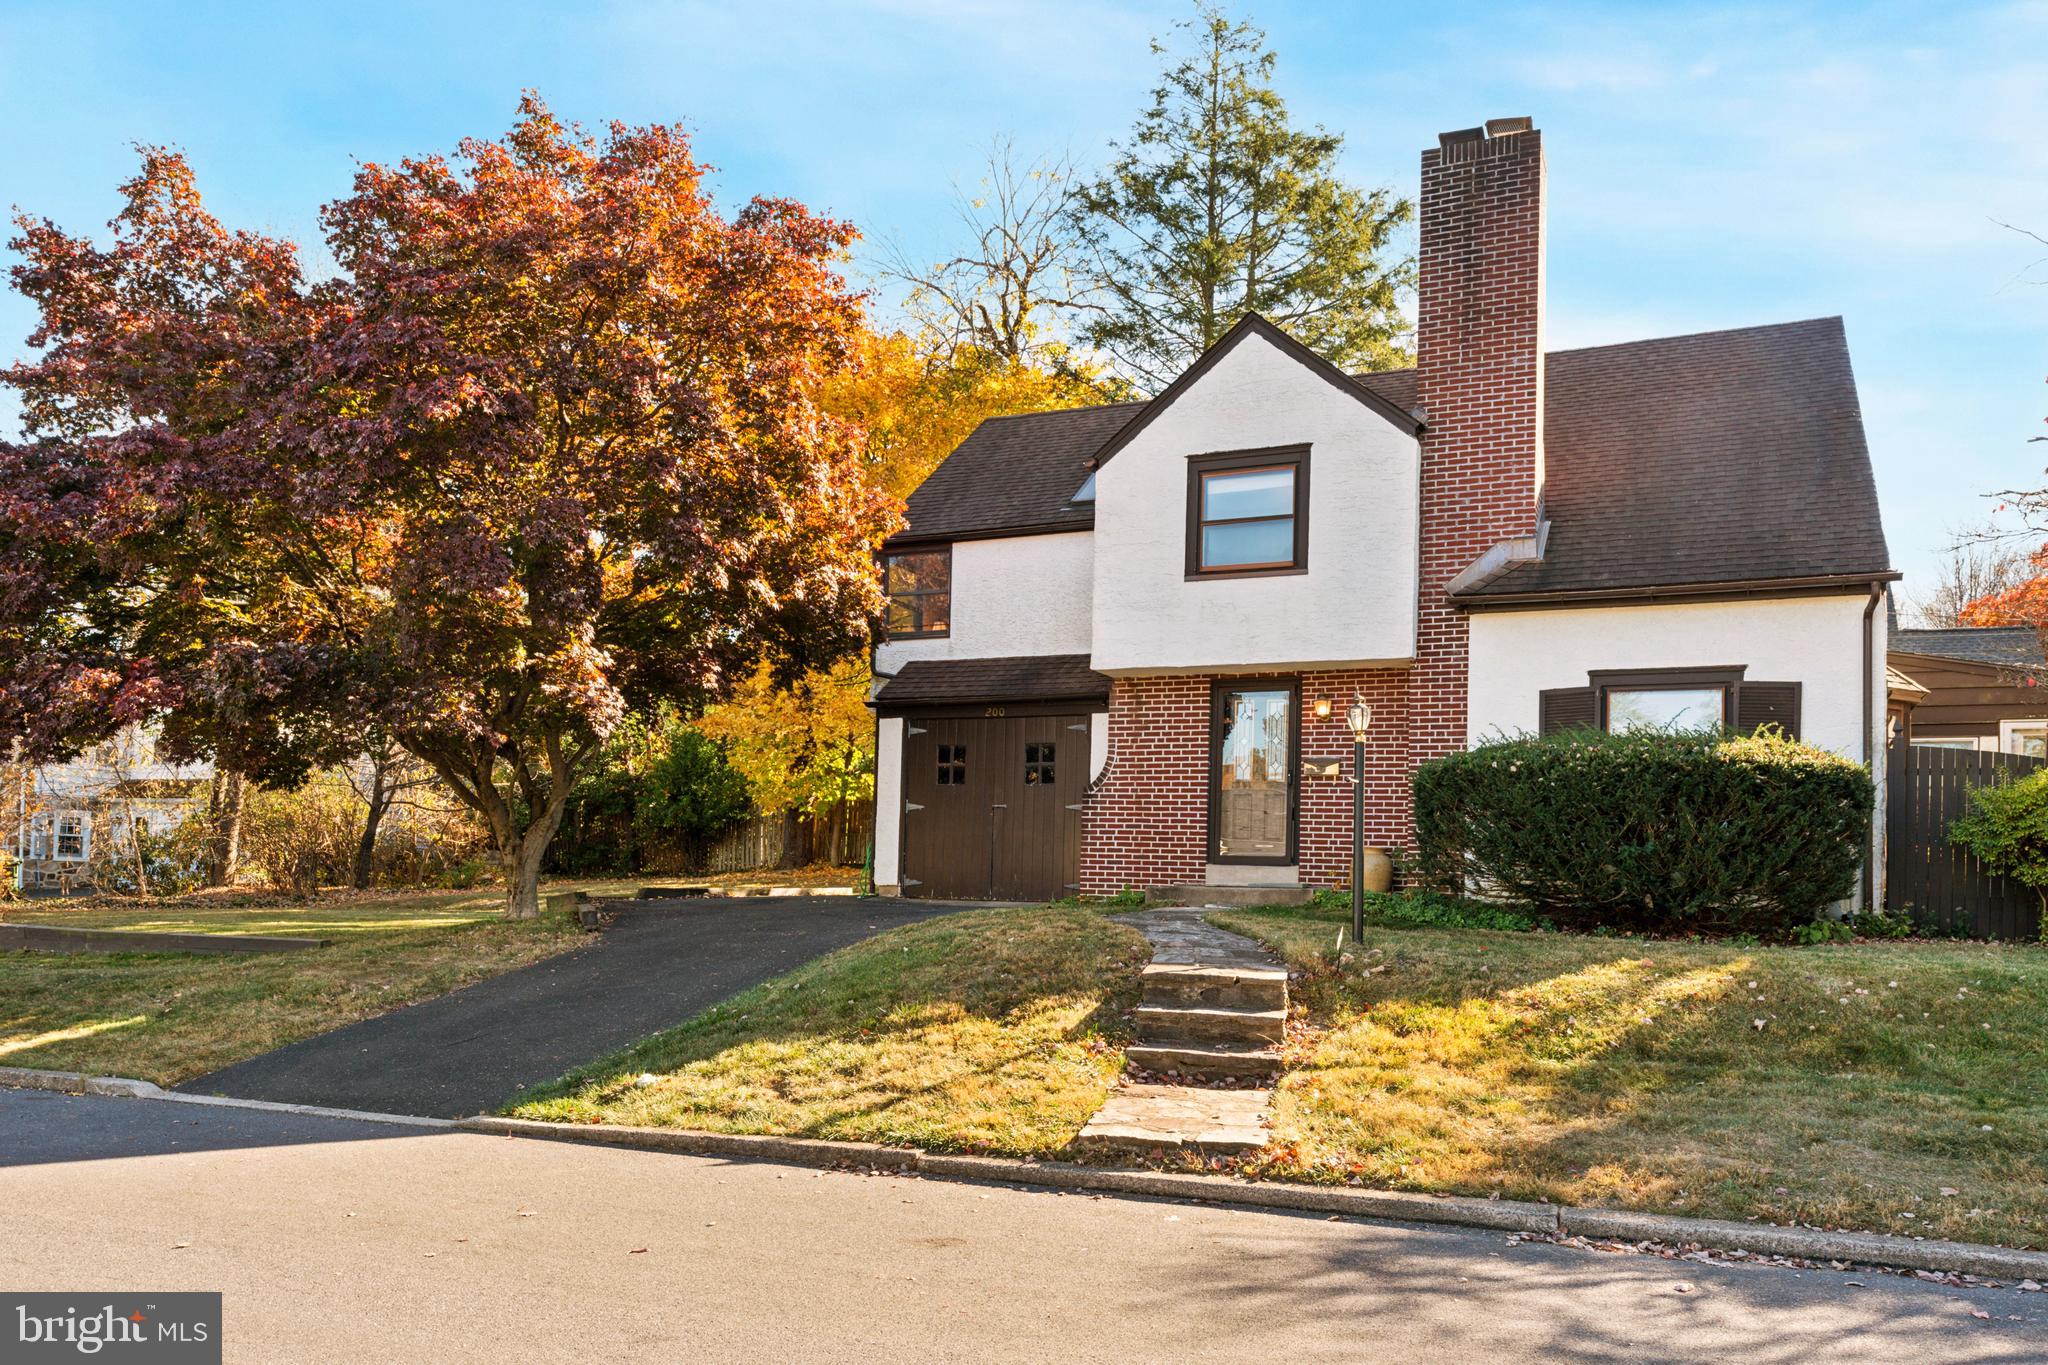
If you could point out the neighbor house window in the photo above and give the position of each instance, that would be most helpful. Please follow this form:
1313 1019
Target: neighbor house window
920 590
2029 738
1248 512
62 837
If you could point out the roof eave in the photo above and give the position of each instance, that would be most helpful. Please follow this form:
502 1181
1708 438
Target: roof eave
1816 585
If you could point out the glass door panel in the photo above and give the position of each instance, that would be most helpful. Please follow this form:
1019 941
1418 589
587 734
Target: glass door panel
1254 774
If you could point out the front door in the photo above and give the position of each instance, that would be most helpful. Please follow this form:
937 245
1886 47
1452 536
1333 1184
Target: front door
992 806
1252 771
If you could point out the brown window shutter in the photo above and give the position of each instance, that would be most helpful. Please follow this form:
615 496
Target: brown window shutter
1767 703
1565 708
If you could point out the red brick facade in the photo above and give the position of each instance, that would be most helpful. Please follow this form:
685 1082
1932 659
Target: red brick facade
1479 375
1147 821
1479 354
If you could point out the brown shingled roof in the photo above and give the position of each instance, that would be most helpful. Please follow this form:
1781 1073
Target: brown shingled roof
1015 474
1681 462
959 682
1721 457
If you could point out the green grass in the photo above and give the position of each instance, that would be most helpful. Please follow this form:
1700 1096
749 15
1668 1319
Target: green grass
993 1030
1900 1087
169 1017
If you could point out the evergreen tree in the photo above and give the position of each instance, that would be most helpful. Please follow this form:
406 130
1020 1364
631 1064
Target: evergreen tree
1217 206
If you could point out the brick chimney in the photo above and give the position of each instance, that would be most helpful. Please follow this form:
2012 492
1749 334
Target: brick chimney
1479 377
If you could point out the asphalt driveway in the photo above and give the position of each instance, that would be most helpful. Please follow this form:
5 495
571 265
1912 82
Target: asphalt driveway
469 1052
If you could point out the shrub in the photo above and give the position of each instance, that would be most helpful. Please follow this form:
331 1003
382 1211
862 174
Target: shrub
2006 828
1649 831
1416 909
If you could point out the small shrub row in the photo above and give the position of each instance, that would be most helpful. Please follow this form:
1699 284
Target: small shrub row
1417 909
1649 831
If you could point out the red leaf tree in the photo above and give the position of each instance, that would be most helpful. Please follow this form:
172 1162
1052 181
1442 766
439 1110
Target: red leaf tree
547 447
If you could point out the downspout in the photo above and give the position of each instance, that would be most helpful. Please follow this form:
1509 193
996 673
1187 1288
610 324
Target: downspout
1870 743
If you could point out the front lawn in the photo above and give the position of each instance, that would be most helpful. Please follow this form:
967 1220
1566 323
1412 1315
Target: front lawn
169 1017
991 1030
1895 1087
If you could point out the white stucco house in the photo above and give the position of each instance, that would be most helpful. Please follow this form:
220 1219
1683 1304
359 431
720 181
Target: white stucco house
1122 639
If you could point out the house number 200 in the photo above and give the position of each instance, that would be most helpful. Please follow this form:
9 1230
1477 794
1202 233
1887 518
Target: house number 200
995 711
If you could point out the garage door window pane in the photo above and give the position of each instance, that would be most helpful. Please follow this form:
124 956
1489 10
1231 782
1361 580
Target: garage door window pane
952 765
1038 765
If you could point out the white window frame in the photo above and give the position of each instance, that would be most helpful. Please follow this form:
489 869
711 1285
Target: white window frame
2009 733
1958 742
47 832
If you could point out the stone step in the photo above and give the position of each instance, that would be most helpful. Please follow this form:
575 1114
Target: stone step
1214 1061
1205 1025
1152 1118
1182 983
1228 896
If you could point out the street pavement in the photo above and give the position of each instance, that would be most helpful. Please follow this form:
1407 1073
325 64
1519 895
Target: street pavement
342 1241
470 1051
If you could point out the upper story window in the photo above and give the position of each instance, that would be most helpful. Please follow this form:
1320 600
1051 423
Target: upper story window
920 590
1248 512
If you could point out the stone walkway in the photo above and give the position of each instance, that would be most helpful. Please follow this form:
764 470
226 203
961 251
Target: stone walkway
1214 1008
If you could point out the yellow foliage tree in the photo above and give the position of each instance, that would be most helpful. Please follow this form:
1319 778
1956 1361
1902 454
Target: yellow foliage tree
807 747
917 401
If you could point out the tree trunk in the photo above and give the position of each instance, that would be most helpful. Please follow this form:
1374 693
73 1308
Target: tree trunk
521 860
224 804
366 847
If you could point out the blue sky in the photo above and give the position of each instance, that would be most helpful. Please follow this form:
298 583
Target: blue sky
1710 165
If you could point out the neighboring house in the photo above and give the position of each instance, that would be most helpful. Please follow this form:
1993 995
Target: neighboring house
1981 688
65 813
1122 639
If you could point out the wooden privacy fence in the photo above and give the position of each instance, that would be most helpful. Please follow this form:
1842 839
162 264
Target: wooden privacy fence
836 834
1936 882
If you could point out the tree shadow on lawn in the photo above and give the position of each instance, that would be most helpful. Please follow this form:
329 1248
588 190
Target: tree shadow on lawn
995 1031
1634 1073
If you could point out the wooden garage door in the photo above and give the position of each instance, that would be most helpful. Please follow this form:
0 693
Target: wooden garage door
992 806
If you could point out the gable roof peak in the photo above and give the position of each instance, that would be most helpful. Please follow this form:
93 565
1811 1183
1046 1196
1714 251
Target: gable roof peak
1252 324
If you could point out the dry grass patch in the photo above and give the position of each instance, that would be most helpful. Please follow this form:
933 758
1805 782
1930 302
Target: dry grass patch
1895 1087
992 1030
169 1017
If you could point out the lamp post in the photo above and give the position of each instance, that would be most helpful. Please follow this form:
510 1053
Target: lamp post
1359 718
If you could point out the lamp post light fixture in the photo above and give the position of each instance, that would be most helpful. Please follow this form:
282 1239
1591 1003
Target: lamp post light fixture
1358 717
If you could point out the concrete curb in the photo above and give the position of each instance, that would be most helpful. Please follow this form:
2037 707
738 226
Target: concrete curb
1398 1206
50 938
73 1083
1501 1215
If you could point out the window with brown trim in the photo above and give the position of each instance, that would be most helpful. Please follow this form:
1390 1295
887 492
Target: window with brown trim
1248 512
952 765
919 586
1671 699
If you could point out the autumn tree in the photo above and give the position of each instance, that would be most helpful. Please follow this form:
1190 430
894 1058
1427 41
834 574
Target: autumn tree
2023 602
551 445
1218 206
807 747
1978 565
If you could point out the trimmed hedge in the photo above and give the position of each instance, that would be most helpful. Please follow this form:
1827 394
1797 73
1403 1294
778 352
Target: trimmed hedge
1668 833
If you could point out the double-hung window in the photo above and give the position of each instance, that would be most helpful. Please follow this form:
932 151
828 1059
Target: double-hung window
919 585
1248 512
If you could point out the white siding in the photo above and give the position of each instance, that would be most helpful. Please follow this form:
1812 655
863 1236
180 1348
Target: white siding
1017 595
1356 603
1814 641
